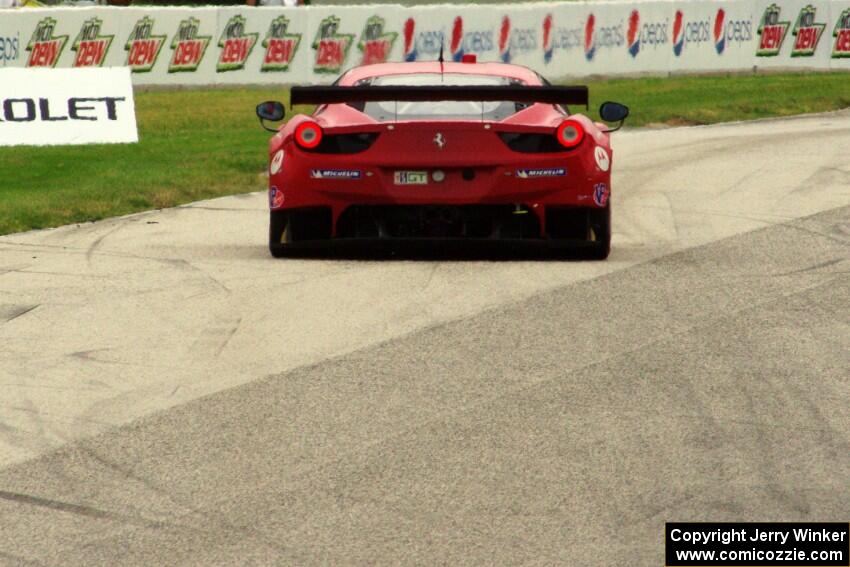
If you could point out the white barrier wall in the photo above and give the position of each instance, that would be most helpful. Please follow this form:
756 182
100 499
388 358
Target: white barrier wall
313 45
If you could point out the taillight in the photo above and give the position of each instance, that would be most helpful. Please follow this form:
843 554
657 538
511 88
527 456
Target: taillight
570 133
308 135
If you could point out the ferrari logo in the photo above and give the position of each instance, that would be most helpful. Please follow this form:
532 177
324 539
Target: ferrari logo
439 141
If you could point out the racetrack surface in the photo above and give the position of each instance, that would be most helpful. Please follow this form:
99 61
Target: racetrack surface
172 395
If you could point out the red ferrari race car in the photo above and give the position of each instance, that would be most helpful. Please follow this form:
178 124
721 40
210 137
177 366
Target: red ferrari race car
483 152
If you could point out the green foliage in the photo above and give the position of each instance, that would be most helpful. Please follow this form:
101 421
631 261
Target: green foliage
709 99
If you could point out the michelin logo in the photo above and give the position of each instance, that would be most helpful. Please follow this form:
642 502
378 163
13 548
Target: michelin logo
535 173
335 173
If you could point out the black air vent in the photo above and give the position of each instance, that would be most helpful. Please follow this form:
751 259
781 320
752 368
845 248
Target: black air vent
532 143
345 143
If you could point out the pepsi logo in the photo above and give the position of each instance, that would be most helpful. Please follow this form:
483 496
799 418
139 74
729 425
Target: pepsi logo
685 32
633 34
720 31
505 40
470 41
514 41
589 44
594 39
728 32
548 49
424 44
651 34
678 36
554 38
410 40
457 39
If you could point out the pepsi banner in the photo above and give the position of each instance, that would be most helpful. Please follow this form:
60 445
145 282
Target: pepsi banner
244 45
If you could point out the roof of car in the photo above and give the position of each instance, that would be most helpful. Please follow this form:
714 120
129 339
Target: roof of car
518 72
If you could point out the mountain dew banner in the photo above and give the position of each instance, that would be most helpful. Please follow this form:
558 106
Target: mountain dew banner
243 45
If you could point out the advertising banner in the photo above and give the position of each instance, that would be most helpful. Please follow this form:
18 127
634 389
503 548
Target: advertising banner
792 34
838 35
43 107
280 45
345 37
260 45
713 36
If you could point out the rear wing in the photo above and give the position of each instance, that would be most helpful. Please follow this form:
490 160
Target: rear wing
514 93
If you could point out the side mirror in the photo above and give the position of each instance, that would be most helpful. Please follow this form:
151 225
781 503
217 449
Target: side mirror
271 110
614 112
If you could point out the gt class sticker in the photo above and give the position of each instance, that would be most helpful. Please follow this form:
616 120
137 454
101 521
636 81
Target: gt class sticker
335 173
411 178
602 159
545 172
600 194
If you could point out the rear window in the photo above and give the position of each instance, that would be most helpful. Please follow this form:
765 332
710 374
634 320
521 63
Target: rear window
389 111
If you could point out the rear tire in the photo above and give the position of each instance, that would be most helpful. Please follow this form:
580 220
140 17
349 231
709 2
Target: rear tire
296 232
279 234
579 233
600 225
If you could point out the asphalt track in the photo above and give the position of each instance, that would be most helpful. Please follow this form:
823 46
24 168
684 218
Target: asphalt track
170 395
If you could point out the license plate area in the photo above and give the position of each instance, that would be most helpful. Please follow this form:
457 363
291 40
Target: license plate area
408 177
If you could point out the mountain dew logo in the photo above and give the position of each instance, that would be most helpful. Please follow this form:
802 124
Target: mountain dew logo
142 46
807 33
772 32
44 48
331 47
188 47
235 44
280 46
374 43
90 46
841 48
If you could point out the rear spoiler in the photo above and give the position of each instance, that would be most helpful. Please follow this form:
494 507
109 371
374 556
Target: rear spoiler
513 93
